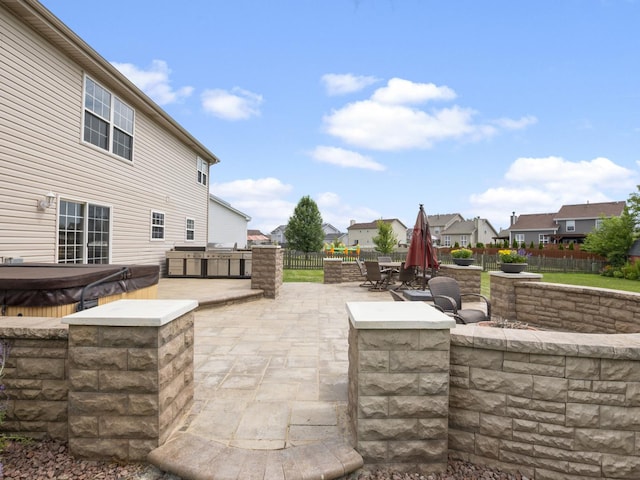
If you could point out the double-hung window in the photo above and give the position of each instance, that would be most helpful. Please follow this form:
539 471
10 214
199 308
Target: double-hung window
571 225
203 169
520 238
157 225
108 121
190 233
464 240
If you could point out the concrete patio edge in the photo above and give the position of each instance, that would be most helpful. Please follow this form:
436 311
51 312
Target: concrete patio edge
195 458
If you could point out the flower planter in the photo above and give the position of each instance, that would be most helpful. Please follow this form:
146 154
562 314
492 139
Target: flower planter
513 267
465 262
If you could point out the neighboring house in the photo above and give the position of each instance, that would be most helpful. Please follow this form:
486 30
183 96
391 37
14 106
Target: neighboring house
572 223
468 233
91 170
256 237
576 221
532 227
438 223
362 233
227 225
331 234
277 236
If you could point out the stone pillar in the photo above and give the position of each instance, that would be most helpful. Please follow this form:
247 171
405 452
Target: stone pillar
503 292
267 264
332 270
468 278
399 384
130 376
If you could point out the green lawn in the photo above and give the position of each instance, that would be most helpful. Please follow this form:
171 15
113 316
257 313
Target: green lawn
585 279
316 276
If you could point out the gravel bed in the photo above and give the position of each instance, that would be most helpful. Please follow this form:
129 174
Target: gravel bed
50 460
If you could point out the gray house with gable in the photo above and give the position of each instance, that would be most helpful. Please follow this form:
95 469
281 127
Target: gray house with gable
572 223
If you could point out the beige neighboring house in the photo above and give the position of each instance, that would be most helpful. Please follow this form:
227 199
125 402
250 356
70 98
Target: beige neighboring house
362 233
440 222
468 233
91 169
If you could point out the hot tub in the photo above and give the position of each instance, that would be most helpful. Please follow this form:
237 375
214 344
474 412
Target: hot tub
56 290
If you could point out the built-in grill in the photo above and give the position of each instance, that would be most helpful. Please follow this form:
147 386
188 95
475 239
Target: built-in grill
200 262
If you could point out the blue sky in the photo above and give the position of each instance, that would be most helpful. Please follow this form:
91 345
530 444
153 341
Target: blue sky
372 107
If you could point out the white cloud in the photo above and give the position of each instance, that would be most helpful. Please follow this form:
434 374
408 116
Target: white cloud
344 158
369 124
519 124
543 185
237 104
154 81
399 91
341 84
387 121
251 188
338 213
263 199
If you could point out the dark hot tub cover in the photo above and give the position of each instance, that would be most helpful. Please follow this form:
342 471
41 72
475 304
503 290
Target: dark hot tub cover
50 284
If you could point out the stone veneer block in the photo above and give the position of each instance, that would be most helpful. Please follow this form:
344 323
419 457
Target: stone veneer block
399 383
131 371
503 292
267 266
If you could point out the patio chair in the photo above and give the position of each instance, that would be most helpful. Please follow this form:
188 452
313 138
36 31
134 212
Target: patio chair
406 277
448 298
363 272
379 279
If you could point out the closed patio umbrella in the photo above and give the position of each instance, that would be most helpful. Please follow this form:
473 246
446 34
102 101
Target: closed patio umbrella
421 250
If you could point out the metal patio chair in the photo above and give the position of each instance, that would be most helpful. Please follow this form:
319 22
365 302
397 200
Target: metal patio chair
448 298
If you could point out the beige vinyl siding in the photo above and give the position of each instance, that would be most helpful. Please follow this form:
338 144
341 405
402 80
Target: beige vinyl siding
41 149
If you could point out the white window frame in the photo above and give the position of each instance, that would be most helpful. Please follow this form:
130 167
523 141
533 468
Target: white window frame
599 222
203 171
520 238
190 229
84 230
120 121
464 240
570 225
542 238
446 240
160 226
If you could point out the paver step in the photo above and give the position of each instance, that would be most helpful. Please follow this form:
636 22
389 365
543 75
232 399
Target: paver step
195 458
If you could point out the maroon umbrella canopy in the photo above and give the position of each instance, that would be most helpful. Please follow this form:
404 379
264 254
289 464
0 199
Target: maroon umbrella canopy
421 251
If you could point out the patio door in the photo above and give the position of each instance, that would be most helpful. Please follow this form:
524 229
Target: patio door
83 232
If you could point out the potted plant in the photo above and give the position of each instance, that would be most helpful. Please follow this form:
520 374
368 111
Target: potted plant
462 256
513 261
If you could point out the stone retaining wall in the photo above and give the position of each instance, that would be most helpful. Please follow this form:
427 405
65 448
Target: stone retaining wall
398 384
115 383
575 308
468 278
551 405
35 377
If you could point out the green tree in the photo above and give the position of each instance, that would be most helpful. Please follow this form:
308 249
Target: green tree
386 240
633 204
304 230
612 239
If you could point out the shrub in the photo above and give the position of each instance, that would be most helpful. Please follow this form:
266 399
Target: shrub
461 253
